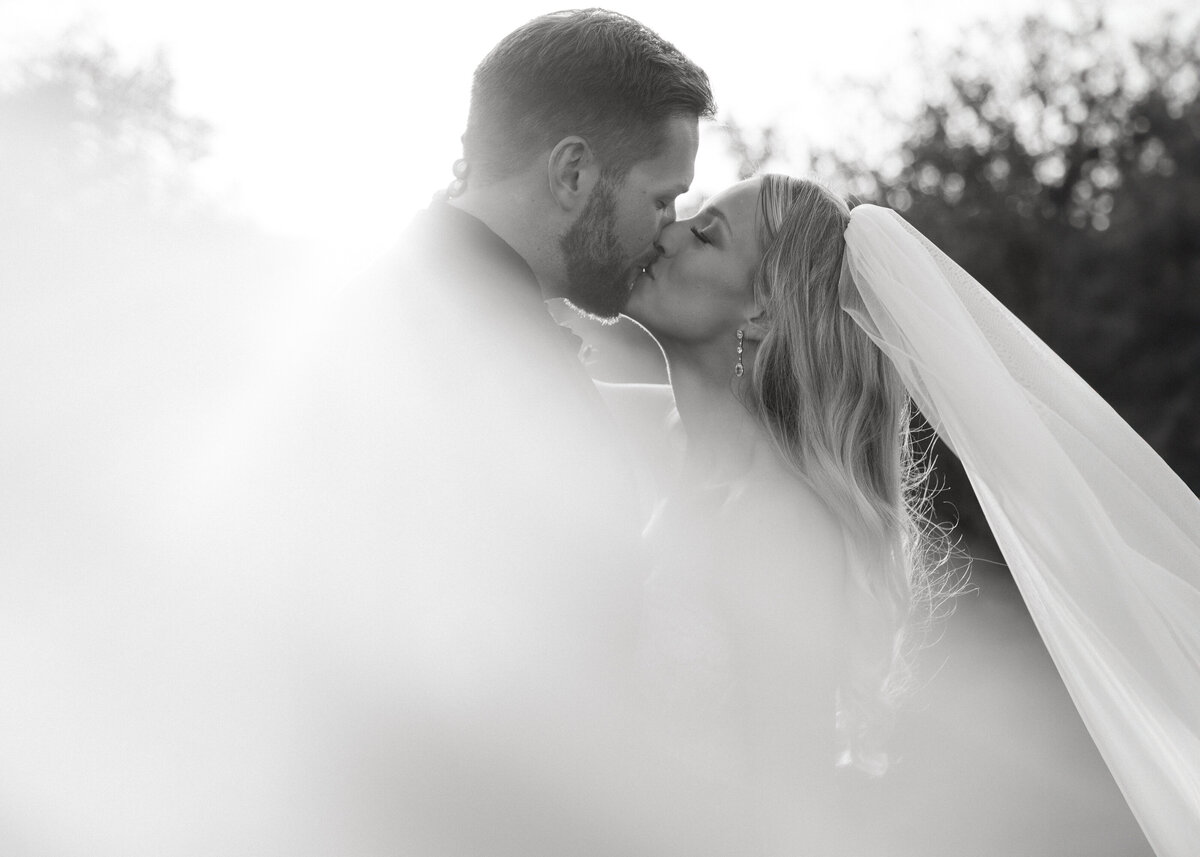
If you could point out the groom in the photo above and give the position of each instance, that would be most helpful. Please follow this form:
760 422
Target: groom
582 131
517 562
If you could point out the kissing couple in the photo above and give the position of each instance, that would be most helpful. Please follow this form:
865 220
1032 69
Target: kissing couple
643 619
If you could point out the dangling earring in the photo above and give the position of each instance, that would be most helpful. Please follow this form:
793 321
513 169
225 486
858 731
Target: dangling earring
738 369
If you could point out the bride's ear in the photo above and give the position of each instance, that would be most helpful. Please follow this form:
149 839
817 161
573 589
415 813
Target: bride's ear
572 171
757 325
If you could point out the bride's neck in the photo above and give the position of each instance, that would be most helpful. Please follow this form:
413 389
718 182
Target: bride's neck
722 434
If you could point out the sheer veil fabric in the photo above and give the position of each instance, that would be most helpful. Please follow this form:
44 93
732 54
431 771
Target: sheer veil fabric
1101 537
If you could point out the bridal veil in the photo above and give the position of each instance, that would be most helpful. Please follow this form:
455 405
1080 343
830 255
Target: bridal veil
1101 537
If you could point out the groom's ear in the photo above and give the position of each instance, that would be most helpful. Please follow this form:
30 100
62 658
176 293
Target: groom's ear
572 172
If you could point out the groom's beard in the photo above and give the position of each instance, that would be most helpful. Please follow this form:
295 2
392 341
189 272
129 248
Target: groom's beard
598 274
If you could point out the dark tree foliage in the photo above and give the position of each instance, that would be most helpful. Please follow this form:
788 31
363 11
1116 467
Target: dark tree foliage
1066 178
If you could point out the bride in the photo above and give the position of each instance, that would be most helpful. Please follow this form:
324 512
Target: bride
793 551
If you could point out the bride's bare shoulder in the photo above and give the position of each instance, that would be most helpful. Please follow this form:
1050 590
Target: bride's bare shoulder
792 562
646 420
637 400
782 513
645 413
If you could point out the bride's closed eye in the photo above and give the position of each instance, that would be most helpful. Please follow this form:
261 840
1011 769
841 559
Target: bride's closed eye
700 236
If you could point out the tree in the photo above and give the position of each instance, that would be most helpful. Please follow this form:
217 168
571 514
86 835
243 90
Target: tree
751 154
80 132
131 301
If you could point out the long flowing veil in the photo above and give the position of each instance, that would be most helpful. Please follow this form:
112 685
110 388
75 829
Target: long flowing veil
1101 537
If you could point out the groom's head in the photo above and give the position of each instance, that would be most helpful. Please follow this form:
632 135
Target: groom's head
601 113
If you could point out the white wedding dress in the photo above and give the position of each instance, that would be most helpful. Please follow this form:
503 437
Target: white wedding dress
741 632
1101 537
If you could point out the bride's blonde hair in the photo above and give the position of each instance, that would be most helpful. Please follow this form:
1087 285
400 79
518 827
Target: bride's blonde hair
839 414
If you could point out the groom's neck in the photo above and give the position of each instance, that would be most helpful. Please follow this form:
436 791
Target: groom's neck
519 216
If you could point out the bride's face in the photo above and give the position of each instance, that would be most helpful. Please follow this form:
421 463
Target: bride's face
701 287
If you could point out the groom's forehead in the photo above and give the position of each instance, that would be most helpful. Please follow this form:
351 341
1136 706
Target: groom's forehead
673 166
668 173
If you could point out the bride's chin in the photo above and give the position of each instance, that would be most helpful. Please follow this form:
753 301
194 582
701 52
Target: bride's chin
633 306
636 311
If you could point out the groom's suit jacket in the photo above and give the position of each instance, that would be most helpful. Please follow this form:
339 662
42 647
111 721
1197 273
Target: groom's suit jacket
496 557
514 409
459 548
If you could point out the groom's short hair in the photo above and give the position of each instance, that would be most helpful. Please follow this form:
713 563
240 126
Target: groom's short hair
592 73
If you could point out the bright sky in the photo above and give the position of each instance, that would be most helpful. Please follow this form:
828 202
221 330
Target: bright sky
335 121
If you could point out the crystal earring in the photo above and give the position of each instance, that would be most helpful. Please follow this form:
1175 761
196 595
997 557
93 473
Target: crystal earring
738 368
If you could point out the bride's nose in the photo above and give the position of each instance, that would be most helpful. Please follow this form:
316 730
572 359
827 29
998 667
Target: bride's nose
670 238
